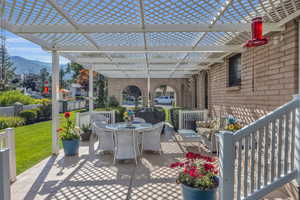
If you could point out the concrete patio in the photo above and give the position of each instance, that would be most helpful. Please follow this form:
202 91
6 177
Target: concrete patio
95 177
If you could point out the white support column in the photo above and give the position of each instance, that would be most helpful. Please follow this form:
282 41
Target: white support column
297 140
148 90
55 103
12 153
226 159
91 90
4 173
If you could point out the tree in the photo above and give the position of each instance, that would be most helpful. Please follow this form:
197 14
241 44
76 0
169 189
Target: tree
132 91
75 68
7 70
101 100
164 89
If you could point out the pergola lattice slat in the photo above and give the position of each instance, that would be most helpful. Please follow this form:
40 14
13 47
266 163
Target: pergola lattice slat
149 32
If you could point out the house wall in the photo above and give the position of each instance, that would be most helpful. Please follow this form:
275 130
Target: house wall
269 78
180 85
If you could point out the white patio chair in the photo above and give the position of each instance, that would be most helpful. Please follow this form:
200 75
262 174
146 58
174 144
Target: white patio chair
125 145
105 137
139 120
151 138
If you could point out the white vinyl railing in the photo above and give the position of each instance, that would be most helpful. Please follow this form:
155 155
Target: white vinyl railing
262 156
187 116
84 118
7 141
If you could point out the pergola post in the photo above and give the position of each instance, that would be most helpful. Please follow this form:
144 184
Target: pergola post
148 91
55 104
91 90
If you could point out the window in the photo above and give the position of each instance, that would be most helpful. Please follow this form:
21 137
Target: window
234 71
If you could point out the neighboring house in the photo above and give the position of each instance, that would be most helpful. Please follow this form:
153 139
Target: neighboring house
77 90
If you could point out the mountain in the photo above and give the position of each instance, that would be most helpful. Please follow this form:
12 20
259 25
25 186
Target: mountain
26 66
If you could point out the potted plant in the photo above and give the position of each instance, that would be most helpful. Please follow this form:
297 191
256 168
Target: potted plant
233 124
198 177
69 135
86 131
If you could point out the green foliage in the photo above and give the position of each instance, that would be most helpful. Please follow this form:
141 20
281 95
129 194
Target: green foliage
113 102
69 131
30 116
174 117
101 100
7 122
8 98
8 70
44 111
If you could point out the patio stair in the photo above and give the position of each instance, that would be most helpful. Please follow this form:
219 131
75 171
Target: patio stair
263 156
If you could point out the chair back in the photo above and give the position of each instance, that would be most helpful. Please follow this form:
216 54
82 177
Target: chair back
125 144
151 137
106 138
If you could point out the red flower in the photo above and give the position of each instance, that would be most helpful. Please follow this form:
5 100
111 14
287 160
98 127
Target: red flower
216 172
191 155
193 172
67 114
210 159
208 167
177 164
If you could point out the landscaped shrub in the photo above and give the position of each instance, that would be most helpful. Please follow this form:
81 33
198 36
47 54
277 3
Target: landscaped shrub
113 102
8 98
7 122
174 115
44 111
30 116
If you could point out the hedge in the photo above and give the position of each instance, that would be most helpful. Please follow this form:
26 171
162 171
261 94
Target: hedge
7 122
30 116
8 98
174 116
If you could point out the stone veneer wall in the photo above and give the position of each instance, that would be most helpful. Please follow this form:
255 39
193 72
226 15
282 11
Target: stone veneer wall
269 78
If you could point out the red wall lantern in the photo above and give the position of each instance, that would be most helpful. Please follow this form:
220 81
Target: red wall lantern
46 87
257 29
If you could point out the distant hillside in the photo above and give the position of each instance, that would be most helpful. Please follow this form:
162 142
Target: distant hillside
25 66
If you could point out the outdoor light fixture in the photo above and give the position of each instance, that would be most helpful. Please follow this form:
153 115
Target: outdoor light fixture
257 38
46 88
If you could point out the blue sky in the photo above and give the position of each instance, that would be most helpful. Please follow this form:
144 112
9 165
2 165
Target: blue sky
18 46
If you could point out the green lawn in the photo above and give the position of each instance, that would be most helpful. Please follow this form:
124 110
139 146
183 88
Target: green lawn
33 144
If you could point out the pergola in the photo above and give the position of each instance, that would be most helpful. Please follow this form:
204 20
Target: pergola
140 38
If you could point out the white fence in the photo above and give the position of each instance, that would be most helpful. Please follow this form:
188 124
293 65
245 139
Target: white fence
84 118
262 156
187 116
9 111
72 105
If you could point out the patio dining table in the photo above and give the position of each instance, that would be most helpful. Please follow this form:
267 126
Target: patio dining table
124 126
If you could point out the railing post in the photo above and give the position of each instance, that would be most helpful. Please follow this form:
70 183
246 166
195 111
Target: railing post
179 119
4 174
77 119
226 159
297 140
113 117
12 153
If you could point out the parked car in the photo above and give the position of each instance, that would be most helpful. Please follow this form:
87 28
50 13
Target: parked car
164 100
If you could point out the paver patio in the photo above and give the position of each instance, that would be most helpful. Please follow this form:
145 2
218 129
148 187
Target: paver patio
95 177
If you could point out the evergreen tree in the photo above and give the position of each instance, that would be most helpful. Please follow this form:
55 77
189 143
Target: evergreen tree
101 100
7 70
